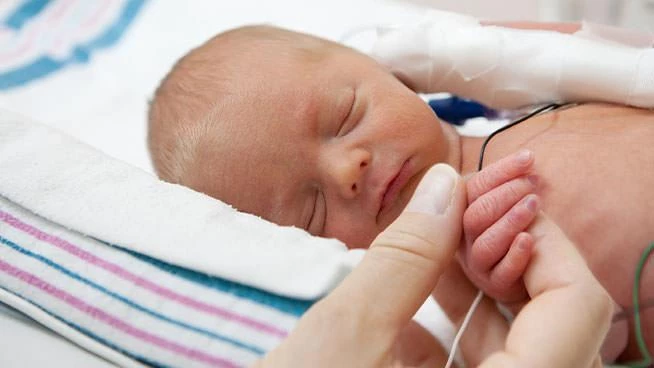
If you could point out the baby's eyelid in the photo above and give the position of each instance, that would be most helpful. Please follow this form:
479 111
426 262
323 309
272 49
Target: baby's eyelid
318 216
307 227
349 114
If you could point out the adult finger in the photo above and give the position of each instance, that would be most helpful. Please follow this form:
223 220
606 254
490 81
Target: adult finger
417 347
569 313
405 261
487 329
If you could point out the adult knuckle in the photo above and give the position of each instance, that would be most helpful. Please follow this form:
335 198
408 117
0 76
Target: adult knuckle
603 302
407 241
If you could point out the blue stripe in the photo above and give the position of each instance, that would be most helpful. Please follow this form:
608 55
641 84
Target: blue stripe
81 54
294 307
89 333
37 69
130 303
24 12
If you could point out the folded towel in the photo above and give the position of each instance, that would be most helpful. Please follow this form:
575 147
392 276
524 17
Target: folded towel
102 296
74 185
141 271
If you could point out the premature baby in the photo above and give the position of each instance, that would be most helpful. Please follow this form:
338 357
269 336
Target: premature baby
306 132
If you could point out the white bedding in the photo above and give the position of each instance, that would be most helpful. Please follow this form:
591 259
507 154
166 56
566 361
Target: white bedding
104 103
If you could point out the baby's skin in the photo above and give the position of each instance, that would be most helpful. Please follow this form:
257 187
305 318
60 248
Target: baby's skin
501 205
497 248
337 144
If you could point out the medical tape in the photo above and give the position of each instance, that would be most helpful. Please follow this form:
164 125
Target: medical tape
510 68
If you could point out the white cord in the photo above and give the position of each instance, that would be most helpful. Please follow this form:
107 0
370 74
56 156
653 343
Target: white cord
466 321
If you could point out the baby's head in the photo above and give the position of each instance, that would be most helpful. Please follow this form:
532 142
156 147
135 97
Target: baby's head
296 129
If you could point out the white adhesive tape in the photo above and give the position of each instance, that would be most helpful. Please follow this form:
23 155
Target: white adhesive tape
510 68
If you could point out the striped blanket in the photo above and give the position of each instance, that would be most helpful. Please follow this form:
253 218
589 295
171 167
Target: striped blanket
151 311
40 37
144 272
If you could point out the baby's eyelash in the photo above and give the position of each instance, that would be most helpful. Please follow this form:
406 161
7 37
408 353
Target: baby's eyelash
319 214
347 117
313 213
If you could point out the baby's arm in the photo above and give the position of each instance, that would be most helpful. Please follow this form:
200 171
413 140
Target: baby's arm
501 206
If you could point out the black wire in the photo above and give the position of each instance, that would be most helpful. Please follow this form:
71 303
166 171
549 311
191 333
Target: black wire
538 111
626 312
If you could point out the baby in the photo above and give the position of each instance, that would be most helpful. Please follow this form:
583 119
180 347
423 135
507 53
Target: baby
306 132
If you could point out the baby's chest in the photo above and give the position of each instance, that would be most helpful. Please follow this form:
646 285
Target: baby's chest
599 187
597 183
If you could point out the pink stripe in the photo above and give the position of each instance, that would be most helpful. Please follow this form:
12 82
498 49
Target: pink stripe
93 19
35 31
82 29
99 314
59 12
138 280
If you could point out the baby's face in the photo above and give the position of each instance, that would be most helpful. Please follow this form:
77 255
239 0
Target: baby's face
335 147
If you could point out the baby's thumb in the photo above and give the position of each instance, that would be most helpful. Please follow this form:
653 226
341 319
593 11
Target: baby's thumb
405 261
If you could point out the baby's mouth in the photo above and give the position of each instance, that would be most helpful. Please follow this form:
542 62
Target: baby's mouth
394 187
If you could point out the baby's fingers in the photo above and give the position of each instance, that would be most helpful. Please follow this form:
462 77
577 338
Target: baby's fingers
507 274
499 172
490 207
494 243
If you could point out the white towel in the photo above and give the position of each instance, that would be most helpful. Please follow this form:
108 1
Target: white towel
74 185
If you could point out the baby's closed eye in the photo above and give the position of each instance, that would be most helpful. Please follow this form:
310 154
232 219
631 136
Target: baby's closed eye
316 224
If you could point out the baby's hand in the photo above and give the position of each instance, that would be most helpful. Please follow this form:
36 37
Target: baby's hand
501 205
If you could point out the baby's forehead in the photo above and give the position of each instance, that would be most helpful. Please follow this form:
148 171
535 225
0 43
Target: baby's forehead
254 176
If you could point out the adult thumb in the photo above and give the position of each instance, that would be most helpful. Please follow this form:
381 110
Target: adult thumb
405 261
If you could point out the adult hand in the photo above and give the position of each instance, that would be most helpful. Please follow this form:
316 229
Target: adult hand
366 320
569 314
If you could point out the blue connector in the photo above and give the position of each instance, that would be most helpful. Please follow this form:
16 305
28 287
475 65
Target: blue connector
455 110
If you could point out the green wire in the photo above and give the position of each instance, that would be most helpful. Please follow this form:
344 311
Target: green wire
647 358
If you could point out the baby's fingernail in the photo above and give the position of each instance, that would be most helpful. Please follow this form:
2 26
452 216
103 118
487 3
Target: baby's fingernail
524 156
532 203
434 193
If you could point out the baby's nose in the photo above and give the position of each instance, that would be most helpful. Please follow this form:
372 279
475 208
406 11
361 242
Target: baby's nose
348 172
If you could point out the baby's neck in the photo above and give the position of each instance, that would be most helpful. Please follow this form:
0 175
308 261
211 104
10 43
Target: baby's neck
463 152
470 149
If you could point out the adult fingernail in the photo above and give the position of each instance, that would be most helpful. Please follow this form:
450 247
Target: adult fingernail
434 193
